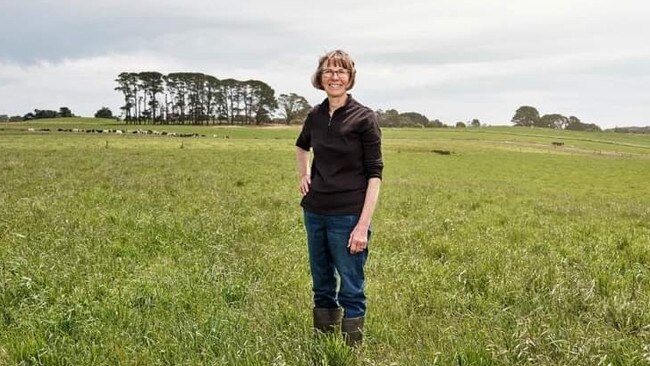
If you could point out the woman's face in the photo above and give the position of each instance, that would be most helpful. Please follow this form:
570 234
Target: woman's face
335 80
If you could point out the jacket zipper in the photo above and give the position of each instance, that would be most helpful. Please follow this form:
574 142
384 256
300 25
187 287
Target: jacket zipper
329 125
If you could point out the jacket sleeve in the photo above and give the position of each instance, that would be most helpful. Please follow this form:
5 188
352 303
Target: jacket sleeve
304 139
371 143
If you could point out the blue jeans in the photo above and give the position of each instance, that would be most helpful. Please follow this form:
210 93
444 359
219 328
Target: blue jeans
329 258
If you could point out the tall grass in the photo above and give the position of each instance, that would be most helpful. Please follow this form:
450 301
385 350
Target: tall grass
132 250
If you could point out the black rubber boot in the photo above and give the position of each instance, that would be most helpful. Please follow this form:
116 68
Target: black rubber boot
352 329
327 320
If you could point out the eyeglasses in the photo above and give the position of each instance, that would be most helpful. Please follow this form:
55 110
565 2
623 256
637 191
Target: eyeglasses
328 73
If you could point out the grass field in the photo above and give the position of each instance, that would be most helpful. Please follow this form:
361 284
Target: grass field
150 250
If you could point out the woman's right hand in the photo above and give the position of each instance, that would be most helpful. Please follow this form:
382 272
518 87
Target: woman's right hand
305 182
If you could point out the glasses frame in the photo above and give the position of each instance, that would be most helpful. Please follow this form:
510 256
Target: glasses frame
328 73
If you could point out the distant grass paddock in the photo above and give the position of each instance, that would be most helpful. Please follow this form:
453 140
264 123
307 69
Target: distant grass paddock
147 250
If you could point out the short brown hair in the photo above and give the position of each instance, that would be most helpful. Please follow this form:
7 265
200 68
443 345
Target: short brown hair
337 58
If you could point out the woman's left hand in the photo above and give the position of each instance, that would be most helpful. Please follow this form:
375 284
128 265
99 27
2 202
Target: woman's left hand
358 239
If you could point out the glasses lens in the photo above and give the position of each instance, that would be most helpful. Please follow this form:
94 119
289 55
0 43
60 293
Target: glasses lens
329 72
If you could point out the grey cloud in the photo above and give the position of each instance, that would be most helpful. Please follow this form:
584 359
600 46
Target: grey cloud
445 59
637 67
60 37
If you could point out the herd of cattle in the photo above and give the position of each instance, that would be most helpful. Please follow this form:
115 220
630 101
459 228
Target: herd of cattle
119 132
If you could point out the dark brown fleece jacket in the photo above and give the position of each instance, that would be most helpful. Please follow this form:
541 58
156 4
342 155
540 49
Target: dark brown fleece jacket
347 152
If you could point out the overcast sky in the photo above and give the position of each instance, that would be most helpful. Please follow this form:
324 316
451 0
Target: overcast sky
453 60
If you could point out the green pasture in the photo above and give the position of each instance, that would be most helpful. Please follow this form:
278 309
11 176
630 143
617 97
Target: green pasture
150 250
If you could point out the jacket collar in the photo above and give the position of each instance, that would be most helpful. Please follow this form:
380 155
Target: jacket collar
325 105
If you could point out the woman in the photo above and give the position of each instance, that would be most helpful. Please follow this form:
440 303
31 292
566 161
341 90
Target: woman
340 192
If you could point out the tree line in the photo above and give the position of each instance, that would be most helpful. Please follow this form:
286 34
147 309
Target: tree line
193 98
63 112
196 98
393 118
527 116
